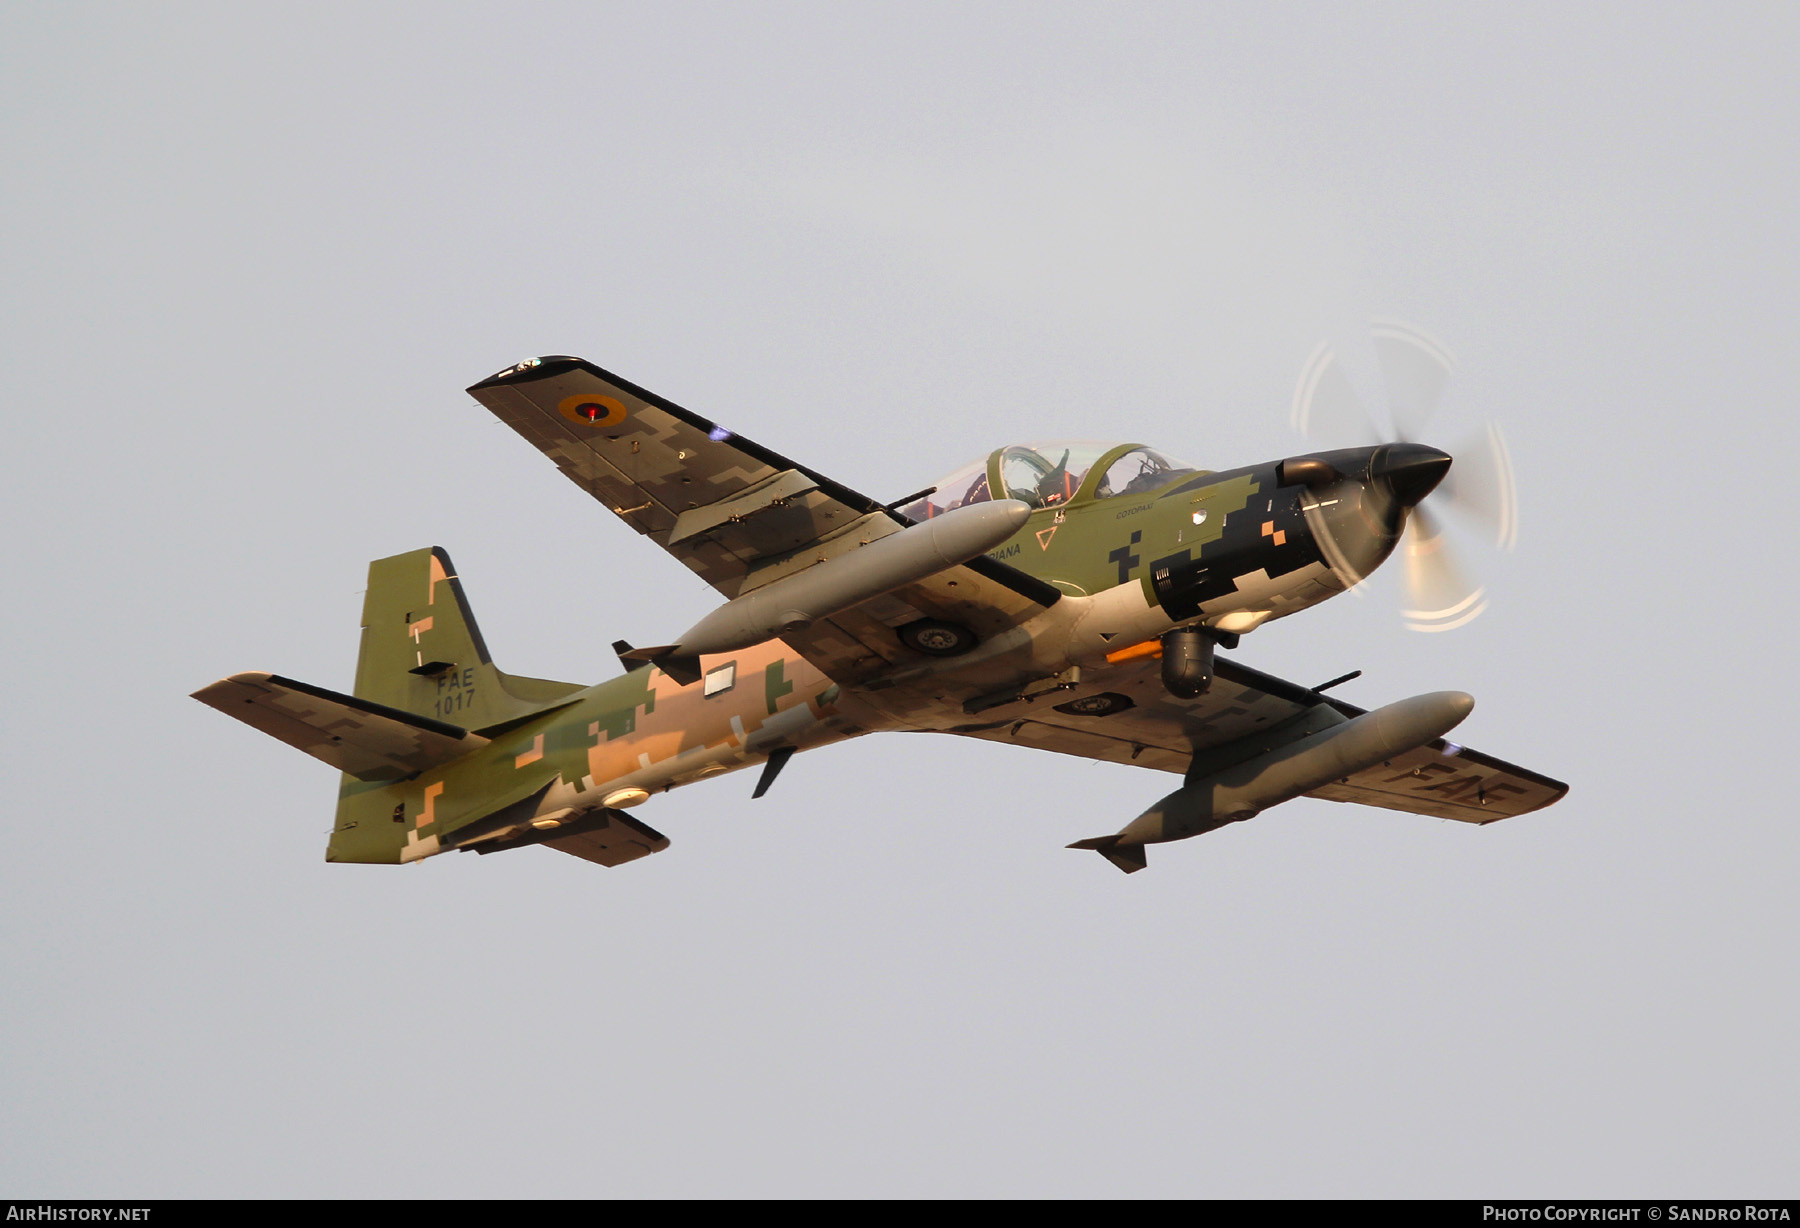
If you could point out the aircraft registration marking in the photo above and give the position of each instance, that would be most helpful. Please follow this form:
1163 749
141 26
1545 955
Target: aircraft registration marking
1452 782
455 691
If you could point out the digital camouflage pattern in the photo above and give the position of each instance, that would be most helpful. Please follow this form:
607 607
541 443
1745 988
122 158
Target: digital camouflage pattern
1052 640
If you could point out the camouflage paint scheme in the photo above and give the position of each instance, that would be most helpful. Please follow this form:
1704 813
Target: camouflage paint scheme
1059 639
552 745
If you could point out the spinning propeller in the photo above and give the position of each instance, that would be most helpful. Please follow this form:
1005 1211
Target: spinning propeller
1414 370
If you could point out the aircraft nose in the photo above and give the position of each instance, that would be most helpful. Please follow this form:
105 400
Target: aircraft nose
1410 470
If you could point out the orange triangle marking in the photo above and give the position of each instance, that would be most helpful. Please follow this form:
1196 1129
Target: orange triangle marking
1044 536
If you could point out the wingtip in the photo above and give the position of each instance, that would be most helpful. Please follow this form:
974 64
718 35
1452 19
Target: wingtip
531 369
213 693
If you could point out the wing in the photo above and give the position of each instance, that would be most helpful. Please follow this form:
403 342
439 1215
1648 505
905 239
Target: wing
1451 782
1125 716
368 740
721 504
737 514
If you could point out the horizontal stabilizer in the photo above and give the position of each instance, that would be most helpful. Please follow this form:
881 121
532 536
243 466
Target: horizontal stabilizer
368 740
605 837
1128 857
619 838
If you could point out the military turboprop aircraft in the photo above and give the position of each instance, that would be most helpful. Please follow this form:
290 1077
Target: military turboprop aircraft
1065 596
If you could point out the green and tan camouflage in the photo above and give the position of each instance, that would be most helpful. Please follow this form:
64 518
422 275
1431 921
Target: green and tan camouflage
1087 627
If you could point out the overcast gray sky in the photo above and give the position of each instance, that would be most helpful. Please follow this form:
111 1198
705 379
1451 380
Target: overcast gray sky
252 258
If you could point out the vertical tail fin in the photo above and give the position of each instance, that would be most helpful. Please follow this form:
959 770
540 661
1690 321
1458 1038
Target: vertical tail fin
423 653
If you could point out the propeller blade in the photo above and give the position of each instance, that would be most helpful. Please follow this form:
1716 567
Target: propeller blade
1481 485
1440 599
1326 405
1415 367
1415 370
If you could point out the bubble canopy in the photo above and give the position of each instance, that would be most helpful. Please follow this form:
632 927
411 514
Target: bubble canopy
1053 473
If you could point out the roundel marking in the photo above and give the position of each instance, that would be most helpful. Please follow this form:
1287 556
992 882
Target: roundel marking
590 410
1104 704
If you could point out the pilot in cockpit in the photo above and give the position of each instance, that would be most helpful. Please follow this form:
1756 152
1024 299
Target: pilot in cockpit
1050 474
